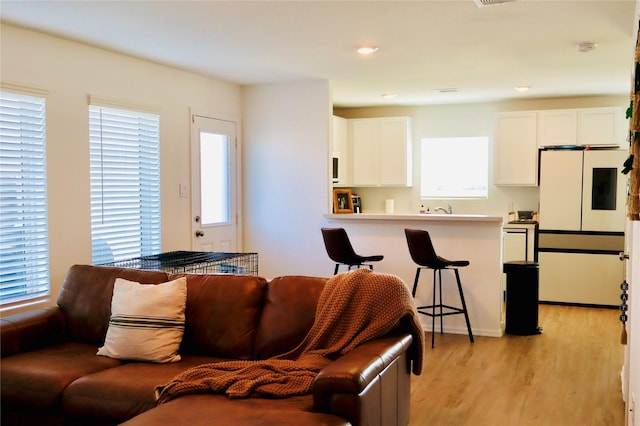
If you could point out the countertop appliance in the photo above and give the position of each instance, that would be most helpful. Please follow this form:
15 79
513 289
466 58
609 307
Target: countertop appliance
582 220
523 216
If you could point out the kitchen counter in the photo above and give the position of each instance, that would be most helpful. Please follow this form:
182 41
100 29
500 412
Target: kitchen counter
416 216
476 238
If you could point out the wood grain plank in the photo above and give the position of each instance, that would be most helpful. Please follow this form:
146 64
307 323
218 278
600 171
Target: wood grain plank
568 375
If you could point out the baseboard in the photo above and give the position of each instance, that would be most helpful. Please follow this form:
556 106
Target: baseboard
463 330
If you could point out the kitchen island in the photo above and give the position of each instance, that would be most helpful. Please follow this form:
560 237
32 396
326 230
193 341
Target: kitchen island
476 238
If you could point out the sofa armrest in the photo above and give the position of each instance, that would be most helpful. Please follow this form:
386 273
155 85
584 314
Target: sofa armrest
31 330
368 384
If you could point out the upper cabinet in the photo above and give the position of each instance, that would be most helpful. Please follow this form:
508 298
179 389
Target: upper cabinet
515 149
341 173
518 135
380 151
587 126
601 126
558 127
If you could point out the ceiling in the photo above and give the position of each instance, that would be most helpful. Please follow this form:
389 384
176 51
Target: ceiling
424 46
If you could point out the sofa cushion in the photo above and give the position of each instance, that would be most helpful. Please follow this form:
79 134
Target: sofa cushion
37 378
208 409
85 298
120 393
288 314
222 314
147 321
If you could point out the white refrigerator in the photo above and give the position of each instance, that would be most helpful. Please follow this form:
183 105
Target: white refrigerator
582 221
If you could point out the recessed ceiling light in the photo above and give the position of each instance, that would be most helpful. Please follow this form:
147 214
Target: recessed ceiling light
522 88
367 50
586 46
389 95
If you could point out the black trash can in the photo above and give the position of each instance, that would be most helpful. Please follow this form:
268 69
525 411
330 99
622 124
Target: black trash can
522 297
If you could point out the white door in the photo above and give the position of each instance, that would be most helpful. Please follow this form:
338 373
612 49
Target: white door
213 183
561 190
605 191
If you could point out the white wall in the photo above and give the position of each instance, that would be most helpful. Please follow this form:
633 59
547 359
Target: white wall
70 72
286 176
464 120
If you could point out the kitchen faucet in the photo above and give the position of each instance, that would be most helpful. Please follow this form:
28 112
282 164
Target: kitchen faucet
447 210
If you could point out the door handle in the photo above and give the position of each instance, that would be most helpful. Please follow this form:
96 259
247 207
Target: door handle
623 256
199 233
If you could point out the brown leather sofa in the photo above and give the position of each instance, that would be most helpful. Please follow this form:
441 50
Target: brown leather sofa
50 373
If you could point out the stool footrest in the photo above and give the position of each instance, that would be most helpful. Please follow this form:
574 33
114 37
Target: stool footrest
453 310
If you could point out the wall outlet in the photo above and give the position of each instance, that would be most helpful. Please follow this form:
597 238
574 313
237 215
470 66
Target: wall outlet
184 190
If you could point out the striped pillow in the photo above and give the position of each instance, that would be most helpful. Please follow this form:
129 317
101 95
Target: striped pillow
147 321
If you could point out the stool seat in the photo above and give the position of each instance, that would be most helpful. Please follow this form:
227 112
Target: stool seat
444 263
424 255
341 251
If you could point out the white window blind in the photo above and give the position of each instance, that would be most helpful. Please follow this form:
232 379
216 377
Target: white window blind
125 184
24 243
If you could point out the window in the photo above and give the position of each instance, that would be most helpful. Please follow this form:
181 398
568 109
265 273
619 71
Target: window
125 184
454 167
214 178
24 242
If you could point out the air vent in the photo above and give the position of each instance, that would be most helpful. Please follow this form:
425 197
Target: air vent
483 3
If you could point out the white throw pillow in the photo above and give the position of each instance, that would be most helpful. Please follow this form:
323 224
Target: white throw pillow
147 321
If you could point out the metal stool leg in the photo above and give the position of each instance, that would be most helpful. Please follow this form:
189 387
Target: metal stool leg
433 308
464 305
415 283
440 299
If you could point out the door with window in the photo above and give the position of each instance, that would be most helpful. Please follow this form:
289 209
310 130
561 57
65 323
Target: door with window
214 185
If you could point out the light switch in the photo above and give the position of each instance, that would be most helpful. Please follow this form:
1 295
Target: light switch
184 190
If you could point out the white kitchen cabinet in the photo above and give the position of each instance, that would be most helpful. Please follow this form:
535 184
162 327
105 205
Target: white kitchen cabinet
341 175
584 126
380 151
601 126
558 127
515 149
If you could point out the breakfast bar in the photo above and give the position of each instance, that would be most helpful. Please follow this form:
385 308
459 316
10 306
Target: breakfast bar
476 238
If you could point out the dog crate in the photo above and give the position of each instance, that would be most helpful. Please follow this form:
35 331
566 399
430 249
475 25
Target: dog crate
194 262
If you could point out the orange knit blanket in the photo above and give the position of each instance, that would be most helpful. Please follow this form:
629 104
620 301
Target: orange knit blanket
354 307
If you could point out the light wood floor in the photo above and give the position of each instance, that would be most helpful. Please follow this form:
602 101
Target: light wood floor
568 375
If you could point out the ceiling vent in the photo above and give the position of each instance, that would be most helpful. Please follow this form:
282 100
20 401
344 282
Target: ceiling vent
483 3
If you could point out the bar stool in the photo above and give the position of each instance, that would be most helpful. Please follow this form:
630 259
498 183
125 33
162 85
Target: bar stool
340 250
423 254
